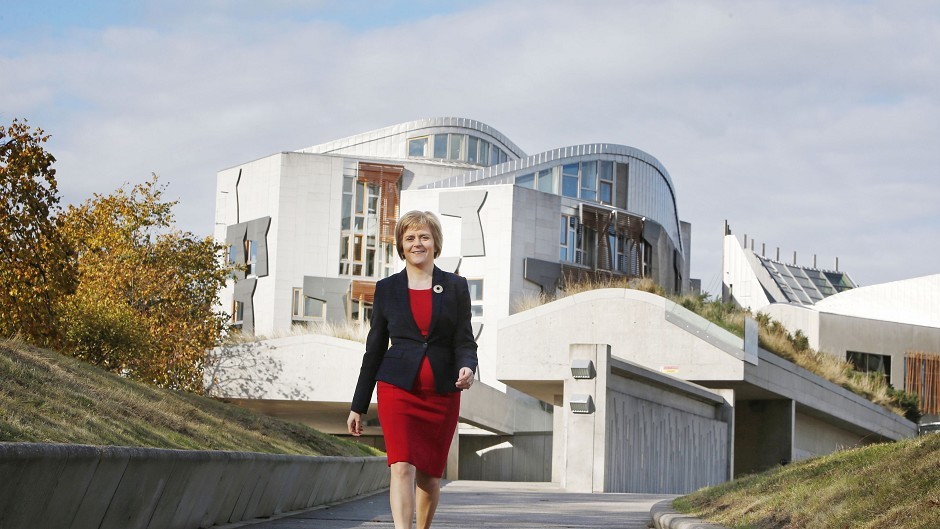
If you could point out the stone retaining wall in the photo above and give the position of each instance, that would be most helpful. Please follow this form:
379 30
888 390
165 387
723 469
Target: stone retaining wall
104 487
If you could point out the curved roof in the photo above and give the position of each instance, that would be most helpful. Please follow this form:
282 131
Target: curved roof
413 126
913 301
555 155
505 173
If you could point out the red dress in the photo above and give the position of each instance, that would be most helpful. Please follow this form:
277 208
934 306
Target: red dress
418 425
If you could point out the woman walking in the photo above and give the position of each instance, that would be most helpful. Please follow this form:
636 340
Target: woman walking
425 312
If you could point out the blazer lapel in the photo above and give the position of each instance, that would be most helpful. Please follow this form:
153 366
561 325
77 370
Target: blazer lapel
402 299
437 297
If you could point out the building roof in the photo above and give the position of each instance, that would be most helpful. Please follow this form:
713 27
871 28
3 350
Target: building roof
913 301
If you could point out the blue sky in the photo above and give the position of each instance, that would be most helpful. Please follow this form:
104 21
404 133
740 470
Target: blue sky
810 126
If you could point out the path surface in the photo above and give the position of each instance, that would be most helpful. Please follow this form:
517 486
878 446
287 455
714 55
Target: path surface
491 505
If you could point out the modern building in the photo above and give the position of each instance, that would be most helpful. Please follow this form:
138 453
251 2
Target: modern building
890 328
315 228
597 391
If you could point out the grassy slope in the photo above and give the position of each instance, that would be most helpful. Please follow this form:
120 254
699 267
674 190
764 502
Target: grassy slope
47 397
893 485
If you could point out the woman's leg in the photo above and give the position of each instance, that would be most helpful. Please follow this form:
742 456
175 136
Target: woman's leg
401 494
427 495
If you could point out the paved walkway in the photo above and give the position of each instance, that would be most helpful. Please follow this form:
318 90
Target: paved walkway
491 505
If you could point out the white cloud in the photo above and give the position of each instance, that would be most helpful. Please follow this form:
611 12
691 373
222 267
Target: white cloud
808 125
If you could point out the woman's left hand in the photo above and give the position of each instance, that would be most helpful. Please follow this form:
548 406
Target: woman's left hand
465 378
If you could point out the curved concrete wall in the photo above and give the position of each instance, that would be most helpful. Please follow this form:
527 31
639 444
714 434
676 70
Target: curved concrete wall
50 485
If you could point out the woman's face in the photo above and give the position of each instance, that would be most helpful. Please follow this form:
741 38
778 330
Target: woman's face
418 246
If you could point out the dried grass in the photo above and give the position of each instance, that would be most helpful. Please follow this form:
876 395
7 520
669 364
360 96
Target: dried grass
346 330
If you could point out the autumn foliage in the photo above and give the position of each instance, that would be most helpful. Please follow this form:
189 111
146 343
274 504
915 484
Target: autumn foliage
36 265
110 281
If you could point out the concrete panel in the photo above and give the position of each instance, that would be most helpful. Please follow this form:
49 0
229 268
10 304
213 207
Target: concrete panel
96 499
27 511
466 205
331 291
143 487
139 489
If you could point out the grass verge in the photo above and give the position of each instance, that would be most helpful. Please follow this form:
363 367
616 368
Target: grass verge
893 485
50 398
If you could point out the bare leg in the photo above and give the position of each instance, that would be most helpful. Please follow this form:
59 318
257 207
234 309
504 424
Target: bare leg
401 494
427 495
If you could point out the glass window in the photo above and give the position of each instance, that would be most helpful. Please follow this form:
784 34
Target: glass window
526 180
606 172
472 146
360 196
251 257
871 363
418 147
484 152
569 180
456 147
589 180
545 181
347 203
607 191
304 307
476 297
238 312
440 146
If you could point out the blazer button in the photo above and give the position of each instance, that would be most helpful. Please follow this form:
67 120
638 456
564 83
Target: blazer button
425 345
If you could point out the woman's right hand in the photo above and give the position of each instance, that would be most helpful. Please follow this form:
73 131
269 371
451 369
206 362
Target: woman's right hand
354 423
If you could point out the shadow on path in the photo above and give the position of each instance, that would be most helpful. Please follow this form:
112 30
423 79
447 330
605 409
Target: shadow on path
497 505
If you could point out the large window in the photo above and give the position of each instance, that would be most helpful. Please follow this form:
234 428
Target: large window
305 308
591 180
870 363
456 147
418 147
440 146
367 234
577 242
569 180
359 239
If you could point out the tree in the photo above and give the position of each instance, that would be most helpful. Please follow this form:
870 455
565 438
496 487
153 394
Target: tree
37 266
144 306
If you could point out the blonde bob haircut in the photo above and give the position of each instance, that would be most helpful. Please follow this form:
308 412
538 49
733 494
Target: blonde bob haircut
415 220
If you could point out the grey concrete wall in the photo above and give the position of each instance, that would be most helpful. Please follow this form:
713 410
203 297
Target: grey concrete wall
648 433
764 437
520 457
815 437
49 485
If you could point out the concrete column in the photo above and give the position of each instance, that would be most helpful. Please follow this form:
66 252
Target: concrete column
726 413
585 433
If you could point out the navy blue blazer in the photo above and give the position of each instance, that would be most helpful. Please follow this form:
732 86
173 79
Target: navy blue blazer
449 345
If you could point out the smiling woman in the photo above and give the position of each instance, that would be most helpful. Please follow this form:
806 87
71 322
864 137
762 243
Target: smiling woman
425 312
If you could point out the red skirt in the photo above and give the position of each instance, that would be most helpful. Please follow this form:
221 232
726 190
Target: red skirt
418 425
